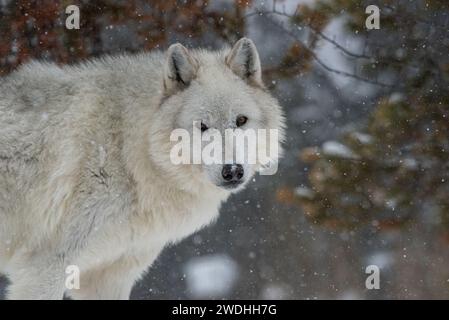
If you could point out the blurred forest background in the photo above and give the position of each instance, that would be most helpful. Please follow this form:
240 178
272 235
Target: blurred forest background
365 178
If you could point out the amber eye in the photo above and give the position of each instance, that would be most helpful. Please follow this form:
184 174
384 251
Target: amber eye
241 120
203 127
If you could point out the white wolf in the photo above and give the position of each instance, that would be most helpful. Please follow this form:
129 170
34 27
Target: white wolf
85 174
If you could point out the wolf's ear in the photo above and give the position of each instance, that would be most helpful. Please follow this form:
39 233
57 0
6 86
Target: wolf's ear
180 68
244 61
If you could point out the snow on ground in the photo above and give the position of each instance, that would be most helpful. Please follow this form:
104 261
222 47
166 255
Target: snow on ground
211 276
334 148
382 259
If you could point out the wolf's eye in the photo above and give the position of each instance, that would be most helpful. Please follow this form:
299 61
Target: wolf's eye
241 120
203 127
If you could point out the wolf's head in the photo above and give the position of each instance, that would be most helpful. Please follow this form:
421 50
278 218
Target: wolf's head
217 93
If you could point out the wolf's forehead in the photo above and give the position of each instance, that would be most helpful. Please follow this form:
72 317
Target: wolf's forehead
217 77
210 58
227 103
223 111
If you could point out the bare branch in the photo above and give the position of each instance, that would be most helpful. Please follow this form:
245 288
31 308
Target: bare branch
314 30
293 35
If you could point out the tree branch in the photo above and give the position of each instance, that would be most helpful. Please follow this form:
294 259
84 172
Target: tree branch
294 36
314 30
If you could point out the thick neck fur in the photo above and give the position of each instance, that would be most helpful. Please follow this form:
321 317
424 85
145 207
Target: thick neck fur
141 136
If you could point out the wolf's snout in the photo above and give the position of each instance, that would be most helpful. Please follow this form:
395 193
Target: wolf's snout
232 172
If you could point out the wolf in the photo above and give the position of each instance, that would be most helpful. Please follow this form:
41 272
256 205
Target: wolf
85 174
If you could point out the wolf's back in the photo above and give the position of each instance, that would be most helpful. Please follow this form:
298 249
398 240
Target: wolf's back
27 107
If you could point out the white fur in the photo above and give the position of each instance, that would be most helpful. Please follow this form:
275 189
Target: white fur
85 177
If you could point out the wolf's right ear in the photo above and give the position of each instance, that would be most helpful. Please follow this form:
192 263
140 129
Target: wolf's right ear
180 68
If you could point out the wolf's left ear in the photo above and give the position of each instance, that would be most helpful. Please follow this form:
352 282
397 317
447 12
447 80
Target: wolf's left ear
244 61
180 68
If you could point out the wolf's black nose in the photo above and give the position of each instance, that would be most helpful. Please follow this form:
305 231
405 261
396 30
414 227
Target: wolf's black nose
232 172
